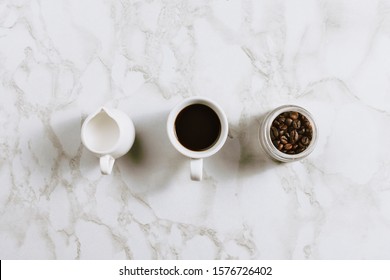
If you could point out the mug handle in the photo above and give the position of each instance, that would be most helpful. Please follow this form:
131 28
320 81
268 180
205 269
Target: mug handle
196 169
106 164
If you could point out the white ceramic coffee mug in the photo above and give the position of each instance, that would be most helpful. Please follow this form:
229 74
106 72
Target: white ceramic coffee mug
196 156
109 134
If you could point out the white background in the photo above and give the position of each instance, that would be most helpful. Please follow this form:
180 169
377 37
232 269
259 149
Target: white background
304 270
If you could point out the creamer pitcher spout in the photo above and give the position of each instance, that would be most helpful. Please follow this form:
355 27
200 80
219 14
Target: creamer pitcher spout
104 110
108 112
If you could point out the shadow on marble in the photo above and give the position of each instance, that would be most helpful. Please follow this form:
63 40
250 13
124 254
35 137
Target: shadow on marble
241 156
152 162
253 159
136 153
65 137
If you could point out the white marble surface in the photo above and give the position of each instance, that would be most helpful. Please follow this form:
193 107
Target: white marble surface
62 59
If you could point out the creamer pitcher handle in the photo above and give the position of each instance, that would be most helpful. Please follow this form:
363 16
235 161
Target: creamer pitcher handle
106 164
196 169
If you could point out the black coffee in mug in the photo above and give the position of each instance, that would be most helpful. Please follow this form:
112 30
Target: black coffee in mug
197 127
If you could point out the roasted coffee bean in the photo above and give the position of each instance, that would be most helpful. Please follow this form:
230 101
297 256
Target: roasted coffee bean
283 140
291 132
294 136
297 124
275 132
305 141
294 115
288 146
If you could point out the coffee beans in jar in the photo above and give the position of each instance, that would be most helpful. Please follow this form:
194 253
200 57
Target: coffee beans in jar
291 132
288 133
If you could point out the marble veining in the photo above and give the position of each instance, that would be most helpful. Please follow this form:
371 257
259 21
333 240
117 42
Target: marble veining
62 59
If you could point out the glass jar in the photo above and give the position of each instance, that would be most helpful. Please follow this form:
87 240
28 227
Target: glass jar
265 134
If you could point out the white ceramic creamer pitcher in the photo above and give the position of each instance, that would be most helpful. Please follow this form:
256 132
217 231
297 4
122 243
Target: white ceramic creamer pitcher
109 134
